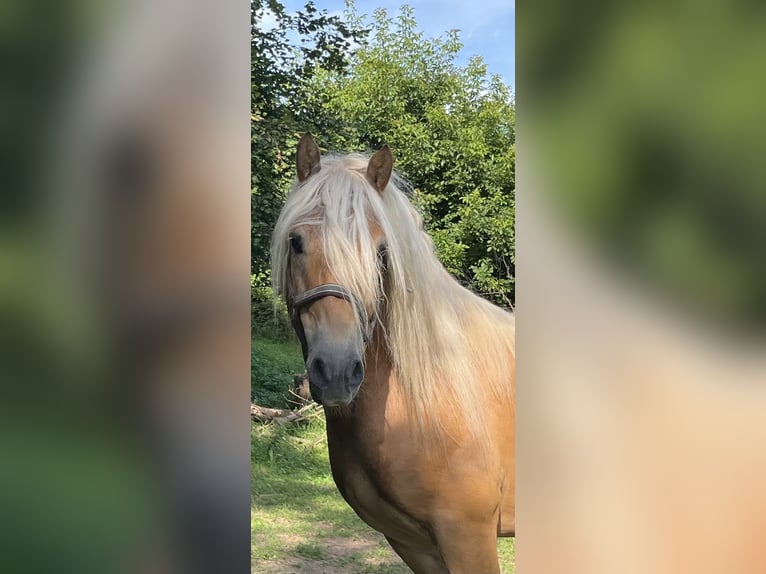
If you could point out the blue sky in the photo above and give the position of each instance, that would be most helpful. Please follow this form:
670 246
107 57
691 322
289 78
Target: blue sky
487 27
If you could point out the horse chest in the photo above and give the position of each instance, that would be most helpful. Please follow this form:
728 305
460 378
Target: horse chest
369 485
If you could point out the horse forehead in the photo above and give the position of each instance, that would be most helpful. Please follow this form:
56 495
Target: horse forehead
312 232
376 229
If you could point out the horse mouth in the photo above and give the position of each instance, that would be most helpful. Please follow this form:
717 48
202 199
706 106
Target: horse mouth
339 402
341 409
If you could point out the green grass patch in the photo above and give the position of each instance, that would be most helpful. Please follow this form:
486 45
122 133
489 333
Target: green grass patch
506 551
299 521
311 551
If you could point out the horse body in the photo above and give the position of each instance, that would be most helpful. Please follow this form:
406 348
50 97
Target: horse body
441 513
416 374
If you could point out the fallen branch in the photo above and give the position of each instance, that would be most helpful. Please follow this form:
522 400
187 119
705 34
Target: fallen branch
281 416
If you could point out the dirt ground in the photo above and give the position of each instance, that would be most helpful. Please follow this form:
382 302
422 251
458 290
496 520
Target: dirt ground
364 554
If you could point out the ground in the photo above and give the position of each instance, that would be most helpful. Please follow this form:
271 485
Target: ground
299 521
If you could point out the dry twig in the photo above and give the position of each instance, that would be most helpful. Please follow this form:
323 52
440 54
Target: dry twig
281 416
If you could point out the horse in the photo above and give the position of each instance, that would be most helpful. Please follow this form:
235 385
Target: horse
415 373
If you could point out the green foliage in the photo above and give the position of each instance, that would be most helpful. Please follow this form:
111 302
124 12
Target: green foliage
452 131
268 314
653 142
273 365
279 67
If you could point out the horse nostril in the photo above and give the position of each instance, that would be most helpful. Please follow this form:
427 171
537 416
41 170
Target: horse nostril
358 372
320 368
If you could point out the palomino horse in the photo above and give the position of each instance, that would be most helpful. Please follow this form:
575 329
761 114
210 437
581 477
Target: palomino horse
415 373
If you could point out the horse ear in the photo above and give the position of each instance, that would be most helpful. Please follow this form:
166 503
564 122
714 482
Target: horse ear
307 159
379 168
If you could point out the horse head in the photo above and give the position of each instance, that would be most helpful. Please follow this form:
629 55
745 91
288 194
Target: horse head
332 320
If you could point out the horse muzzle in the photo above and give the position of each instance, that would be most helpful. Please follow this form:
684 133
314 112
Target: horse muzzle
334 381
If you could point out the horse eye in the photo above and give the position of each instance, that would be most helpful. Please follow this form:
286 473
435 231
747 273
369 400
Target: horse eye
296 244
383 256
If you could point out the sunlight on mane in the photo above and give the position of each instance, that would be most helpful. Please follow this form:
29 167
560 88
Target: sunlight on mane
446 344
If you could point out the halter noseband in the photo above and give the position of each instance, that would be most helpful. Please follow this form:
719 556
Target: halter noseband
327 290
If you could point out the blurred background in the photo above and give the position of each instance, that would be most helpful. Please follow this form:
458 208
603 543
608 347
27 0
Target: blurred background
641 282
650 126
124 287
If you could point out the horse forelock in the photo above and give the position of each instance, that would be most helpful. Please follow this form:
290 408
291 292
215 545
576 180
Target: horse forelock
448 346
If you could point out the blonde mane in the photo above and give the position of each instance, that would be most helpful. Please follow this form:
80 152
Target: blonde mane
447 346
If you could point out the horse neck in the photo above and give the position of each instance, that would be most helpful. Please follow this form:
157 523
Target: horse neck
361 426
378 368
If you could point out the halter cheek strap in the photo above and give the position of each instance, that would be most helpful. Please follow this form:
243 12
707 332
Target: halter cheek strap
327 290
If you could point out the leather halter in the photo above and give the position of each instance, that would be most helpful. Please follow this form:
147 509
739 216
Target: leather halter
328 290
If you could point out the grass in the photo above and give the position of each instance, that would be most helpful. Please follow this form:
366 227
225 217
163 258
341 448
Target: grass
273 365
299 522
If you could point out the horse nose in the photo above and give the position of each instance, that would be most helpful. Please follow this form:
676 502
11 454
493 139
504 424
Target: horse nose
326 370
337 378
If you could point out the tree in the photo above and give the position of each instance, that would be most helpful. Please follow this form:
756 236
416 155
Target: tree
452 130
283 57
